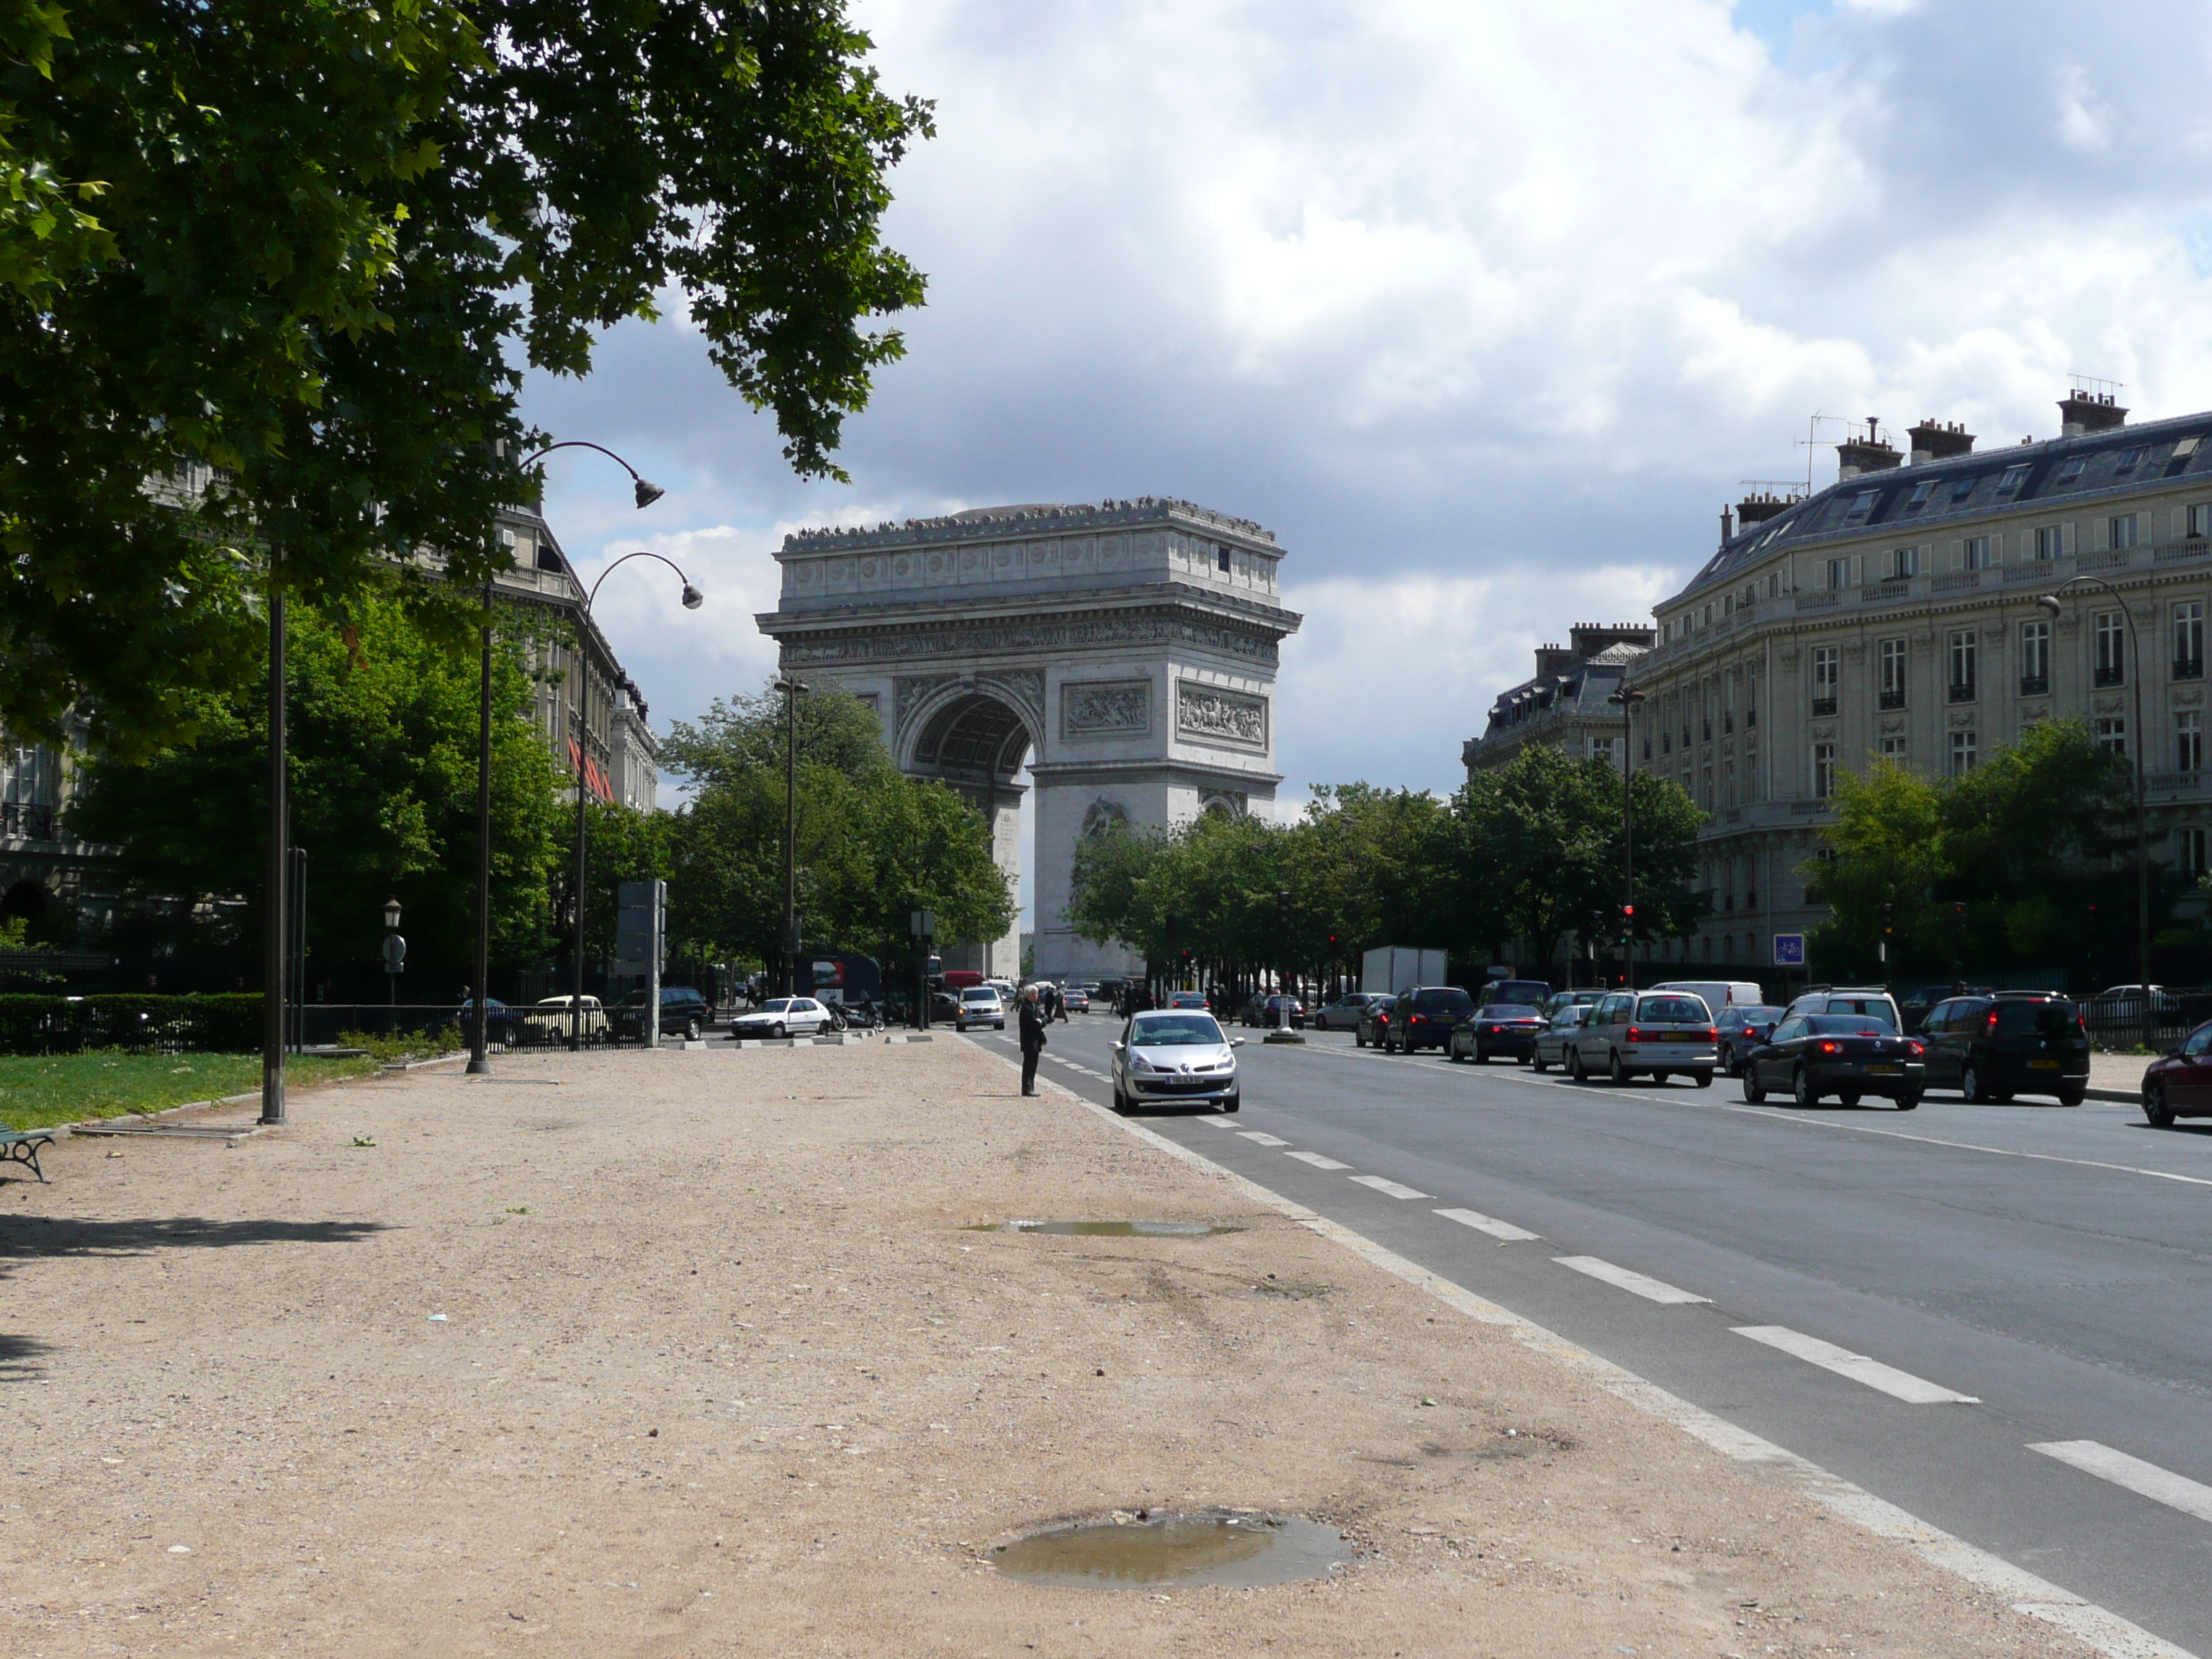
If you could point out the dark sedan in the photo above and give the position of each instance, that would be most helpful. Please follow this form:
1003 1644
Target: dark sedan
1847 1056
1374 1022
1744 1026
1279 1009
1500 1028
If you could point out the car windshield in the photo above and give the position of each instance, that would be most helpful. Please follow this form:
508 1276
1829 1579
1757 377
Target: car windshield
2049 1019
979 996
781 1006
1846 1025
1175 1031
1756 1013
1510 1011
1521 991
1673 1010
1444 1002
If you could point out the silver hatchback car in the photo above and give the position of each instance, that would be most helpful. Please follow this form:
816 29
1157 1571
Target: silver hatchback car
1179 1055
1662 1032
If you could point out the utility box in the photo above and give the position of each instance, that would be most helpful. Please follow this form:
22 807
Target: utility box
1389 968
642 944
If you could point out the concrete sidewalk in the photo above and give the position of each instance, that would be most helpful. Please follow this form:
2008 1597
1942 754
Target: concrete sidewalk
689 1353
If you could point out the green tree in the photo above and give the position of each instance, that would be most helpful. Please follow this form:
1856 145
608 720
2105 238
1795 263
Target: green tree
1889 847
383 780
273 255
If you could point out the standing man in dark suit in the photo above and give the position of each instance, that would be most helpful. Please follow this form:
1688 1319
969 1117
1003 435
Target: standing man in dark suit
1032 1023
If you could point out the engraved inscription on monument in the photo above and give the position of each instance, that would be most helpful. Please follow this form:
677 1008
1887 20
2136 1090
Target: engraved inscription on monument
1213 714
1098 708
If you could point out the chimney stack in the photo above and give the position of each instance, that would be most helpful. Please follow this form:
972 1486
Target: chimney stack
1727 526
1933 441
2080 411
1872 453
1757 509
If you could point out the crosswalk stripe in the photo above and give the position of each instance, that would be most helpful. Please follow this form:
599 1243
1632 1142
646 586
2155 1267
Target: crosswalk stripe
1898 1385
2176 1492
1649 1288
1486 1224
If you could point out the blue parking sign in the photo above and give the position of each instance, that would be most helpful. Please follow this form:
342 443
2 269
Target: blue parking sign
1790 950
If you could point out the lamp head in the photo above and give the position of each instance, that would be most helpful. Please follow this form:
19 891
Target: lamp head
391 914
2047 602
646 493
693 599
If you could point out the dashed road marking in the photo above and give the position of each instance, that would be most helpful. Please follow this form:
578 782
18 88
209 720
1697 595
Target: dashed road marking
1216 1123
1317 1160
1486 1224
1649 1288
1393 1188
1261 1137
1898 1385
2176 1492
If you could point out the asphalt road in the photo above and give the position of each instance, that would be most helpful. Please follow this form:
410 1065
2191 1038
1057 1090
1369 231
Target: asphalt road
2053 1266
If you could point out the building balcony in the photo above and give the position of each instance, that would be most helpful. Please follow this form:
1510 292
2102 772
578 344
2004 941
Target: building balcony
2170 784
2189 668
2107 674
1892 700
2035 685
1823 708
1964 691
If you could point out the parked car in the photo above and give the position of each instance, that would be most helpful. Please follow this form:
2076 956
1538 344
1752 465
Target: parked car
1717 994
981 1004
1869 999
1343 1014
2015 1042
499 1020
1529 993
684 1012
1912 1010
1277 1010
1550 1047
550 1019
782 1017
2126 1009
1662 1032
1424 1017
1589 997
1743 1027
1847 1056
1187 1000
1374 1022
1076 999
1179 1055
1500 1028
2179 1083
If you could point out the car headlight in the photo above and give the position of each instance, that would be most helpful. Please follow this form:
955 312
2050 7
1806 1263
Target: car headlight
1138 1063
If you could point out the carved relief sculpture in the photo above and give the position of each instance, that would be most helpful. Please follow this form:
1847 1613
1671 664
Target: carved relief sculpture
1213 715
1102 706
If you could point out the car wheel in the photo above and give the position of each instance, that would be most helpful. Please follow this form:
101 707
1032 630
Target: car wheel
1728 1060
1233 1103
1576 1069
1121 1103
1851 1099
1802 1090
778 1031
1702 1079
1001 1026
1615 1069
1538 1063
1358 1037
2072 1097
1753 1090
2157 1108
692 1032
1970 1084
1908 1102
1480 1057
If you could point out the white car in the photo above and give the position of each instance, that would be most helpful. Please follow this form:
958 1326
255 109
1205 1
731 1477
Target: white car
550 1020
980 1004
1176 1054
781 1016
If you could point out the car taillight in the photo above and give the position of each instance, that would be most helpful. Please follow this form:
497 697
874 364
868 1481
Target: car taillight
1493 1030
1709 1035
1634 1035
1416 1019
1830 1048
1989 1024
1915 1050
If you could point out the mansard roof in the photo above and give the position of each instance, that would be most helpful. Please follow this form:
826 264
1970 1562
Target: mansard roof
1951 495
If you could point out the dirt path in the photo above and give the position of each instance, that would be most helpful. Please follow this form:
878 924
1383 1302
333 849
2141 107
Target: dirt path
718 1372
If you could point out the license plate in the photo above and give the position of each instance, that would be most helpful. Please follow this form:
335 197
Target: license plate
2042 1066
1883 1071
1679 1037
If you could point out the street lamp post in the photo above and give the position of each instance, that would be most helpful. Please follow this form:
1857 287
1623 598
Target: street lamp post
395 953
647 494
693 599
2050 603
277 967
1628 700
791 688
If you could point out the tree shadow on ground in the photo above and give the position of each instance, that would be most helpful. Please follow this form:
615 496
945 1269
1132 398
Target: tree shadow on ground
19 1359
23 1237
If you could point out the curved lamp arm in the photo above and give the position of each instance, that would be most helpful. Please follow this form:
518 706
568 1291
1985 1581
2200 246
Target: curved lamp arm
645 491
693 599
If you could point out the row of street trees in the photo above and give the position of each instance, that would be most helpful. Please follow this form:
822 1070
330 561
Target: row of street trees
1531 851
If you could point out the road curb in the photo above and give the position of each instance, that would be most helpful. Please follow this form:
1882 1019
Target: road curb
2038 1598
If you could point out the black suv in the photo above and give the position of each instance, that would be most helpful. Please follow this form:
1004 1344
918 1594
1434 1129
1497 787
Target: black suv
1424 1017
2015 1042
684 1012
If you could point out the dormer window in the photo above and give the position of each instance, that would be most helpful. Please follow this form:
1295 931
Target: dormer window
2014 476
1221 560
2071 469
1964 488
2185 448
1920 492
1862 504
2129 459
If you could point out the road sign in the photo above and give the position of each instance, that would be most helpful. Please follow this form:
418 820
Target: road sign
395 954
1790 950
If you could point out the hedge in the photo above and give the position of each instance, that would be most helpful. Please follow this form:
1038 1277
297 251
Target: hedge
227 1023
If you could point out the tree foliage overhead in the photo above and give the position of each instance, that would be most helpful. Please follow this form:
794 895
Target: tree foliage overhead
274 253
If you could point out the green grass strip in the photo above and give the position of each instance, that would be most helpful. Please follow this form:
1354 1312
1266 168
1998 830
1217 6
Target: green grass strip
37 1091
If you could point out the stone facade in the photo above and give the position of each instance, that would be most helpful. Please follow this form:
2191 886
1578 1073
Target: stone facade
1125 652
1565 702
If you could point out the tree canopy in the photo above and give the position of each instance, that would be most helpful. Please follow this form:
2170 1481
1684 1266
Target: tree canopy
261 265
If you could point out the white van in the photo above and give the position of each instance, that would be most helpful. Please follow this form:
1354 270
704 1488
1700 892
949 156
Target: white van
1717 992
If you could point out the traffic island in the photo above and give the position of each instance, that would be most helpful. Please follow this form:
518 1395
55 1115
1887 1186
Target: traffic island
707 1354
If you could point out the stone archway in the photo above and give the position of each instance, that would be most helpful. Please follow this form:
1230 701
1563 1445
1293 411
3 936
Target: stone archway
1127 652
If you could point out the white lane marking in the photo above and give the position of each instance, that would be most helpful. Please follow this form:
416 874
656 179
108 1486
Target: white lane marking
2027 1594
1218 1122
1317 1160
1486 1224
1260 1137
1649 1288
1394 1189
1898 1385
2161 1485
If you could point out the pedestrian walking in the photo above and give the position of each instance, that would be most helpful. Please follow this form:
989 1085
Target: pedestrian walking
1032 1024
1059 1003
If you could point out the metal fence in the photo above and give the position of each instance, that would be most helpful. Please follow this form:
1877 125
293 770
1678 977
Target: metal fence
328 1024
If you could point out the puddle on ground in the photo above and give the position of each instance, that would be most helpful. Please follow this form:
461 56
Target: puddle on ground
1105 1229
1240 1551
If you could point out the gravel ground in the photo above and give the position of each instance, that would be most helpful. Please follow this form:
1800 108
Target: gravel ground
684 1354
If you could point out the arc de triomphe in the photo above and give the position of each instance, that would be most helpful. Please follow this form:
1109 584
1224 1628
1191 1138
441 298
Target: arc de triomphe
1126 652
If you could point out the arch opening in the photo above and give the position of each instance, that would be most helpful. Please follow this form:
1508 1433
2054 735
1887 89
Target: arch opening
978 745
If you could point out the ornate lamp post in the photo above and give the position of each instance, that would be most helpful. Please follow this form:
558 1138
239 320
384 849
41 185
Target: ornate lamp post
2050 603
395 953
693 599
791 688
1628 700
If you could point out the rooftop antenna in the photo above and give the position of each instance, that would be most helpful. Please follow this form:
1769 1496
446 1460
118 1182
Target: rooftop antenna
1812 440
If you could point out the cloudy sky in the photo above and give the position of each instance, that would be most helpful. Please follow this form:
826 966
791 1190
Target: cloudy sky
1485 308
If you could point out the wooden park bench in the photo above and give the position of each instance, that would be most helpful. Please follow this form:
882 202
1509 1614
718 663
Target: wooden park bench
21 1146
